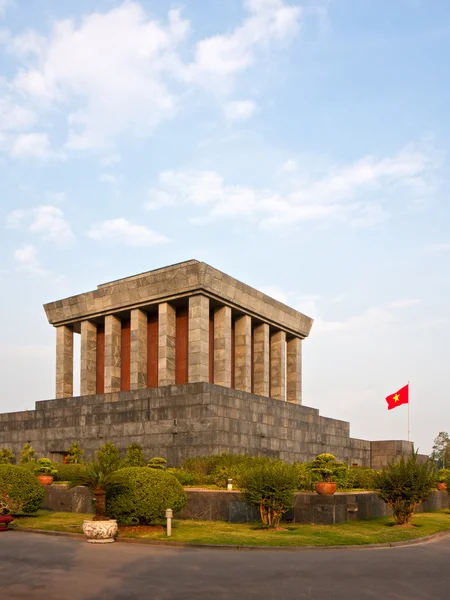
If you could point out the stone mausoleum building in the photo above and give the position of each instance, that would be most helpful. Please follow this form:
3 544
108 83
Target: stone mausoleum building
185 361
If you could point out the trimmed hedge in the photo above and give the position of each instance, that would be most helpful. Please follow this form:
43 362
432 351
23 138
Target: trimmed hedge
145 496
68 472
22 486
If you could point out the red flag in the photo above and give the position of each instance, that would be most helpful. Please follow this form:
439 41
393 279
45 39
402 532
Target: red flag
400 397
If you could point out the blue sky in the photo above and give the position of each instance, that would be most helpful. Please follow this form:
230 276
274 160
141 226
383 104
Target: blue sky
301 147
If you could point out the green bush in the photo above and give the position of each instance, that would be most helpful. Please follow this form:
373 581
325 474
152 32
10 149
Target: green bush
305 477
270 486
186 478
108 456
74 454
218 468
22 486
134 457
144 498
27 454
6 456
443 475
404 485
67 472
361 478
157 463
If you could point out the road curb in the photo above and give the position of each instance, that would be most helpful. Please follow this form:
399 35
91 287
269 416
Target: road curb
166 544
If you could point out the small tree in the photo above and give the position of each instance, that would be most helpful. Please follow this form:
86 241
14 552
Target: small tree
6 456
441 450
327 467
270 486
108 456
27 454
45 467
98 480
404 485
134 457
157 463
74 454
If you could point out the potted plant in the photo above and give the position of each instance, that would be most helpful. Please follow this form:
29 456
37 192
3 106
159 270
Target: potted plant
46 471
327 467
7 506
98 479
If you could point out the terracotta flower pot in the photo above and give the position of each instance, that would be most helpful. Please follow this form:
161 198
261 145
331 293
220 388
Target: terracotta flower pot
45 479
5 520
441 486
326 488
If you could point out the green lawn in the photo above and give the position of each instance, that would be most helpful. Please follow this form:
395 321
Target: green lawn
218 532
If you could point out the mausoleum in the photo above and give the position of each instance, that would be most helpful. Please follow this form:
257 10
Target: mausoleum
186 361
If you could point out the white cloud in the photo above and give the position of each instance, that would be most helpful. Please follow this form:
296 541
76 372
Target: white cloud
27 260
31 145
141 77
218 59
121 231
110 159
404 303
14 117
239 110
47 222
108 178
361 193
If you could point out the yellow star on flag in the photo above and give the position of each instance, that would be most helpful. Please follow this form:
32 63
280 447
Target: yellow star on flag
396 397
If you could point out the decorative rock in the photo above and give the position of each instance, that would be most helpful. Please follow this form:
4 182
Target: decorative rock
100 532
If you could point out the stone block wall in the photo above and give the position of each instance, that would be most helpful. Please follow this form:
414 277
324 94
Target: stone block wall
181 421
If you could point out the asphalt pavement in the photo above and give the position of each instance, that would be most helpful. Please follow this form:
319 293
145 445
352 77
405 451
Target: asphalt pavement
43 567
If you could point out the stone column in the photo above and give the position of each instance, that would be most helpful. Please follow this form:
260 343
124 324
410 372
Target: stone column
166 344
198 349
261 360
243 354
278 366
294 371
112 353
88 358
222 346
64 362
138 349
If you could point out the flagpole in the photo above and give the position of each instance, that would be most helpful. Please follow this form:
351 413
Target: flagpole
409 416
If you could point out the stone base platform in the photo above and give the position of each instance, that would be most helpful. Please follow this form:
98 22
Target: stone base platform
181 421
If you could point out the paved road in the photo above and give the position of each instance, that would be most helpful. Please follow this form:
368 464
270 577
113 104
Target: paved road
53 568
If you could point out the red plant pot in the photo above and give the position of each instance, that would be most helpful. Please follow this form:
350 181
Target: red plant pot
45 479
5 520
441 486
326 488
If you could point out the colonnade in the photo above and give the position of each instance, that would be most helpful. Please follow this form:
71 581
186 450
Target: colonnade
175 343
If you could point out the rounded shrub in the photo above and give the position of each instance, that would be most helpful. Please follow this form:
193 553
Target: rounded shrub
144 497
22 486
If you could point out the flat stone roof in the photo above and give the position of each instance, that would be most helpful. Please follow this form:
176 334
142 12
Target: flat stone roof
169 283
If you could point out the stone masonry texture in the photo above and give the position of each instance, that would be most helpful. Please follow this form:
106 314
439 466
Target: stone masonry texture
222 346
294 370
181 421
243 354
166 344
88 357
112 353
138 349
261 360
198 349
183 279
64 361
278 365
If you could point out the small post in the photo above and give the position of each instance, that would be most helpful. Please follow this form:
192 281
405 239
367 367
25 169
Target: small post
229 484
169 515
